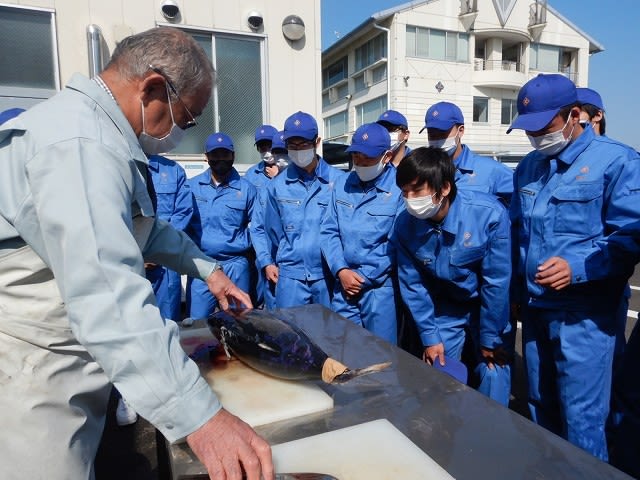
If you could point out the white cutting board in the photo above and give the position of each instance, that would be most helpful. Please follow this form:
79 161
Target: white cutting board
370 451
256 398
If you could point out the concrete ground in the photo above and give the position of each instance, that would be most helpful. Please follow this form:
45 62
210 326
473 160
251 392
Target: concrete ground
137 452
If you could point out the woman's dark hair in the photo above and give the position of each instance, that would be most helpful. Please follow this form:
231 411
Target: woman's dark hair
429 165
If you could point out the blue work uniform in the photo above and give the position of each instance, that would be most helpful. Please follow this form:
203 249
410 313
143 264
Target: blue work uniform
355 235
483 174
220 227
257 175
576 205
455 275
174 205
295 206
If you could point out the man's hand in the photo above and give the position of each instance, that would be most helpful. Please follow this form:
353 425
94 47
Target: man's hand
271 170
498 356
351 282
226 292
227 446
434 352
555 273
271 273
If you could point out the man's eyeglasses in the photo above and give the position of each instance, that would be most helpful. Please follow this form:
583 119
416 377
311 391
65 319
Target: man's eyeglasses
304 145
190 123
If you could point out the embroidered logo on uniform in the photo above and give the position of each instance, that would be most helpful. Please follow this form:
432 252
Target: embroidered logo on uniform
584 170
365 136
467 237
526 101
435 113
297 122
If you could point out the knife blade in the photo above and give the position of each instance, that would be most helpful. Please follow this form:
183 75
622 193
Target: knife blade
282 476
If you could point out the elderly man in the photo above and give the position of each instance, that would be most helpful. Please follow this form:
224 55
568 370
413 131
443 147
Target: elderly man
76 226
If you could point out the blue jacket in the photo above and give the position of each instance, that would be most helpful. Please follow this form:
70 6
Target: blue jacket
359 221
220 223
257 176
460 269
581 205
175 202
293 213
483 174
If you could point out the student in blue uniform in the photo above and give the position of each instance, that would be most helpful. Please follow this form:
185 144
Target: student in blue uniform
262 172
454 267
575 197
174 205
355 235
398 128
592 110
224 204
296 203
444 123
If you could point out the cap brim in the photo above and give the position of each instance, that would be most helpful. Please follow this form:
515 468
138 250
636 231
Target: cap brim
532 122
219 148
444 126
452 367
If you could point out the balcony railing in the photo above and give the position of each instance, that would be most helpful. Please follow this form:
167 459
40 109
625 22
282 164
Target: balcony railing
501 65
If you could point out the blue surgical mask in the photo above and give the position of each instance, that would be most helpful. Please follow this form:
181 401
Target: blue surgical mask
153 145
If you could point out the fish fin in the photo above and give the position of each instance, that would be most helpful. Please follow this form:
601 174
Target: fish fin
349 374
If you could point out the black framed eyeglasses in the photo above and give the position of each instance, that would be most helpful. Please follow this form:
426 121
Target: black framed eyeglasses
190 123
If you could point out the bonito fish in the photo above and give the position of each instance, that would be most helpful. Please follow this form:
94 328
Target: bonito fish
274 346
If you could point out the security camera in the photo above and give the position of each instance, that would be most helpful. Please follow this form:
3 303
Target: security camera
170 9
255 20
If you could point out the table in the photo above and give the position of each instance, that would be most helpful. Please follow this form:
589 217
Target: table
468 434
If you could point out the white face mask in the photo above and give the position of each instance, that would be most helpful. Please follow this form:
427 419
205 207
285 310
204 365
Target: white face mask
281 160
302 158
423 207
369 173
268 158
152 145
551 143
448 144
395 136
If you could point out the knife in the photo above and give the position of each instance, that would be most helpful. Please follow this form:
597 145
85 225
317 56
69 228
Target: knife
281 476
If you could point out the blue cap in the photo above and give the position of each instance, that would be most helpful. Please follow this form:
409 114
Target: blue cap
278 141
443 116
301 125
218 140
540 99
9 114
265 132
452 367
370 139
393 118
587 96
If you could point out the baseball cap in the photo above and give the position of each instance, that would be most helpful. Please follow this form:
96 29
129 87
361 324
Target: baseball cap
443 116
265 132
371 139
589 97
7 115
393 118
277 142
302 125
540 99
216 141
452 367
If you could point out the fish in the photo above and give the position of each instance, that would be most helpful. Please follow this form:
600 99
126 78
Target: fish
274 346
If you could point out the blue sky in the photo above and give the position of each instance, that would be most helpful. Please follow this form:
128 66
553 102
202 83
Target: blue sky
614 73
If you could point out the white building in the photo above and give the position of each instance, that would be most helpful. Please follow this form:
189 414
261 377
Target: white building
474 53
263 76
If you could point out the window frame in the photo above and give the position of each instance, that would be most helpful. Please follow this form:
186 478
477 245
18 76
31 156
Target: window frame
415 50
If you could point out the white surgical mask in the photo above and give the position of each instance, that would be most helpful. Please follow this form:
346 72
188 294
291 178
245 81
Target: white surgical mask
551 143
153 145
423 207
369 173
281 160
395 136
268 158
302 158
448 144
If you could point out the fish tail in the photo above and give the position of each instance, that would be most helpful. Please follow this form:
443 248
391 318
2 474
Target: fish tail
349 374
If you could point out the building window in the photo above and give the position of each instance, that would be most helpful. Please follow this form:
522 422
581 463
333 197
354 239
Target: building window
234 57
552 59
28 68
335 72
335 125
379 74
509 111
480 109
437 44
370 111
359 83
372 51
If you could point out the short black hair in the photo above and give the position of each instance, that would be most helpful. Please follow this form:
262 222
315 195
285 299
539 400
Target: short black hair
592 111
429 165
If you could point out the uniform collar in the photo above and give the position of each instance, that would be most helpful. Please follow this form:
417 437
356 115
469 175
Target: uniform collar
233 181
295 173
91 89
577 146
464 161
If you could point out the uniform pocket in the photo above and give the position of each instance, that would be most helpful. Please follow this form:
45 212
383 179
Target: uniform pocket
578 209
